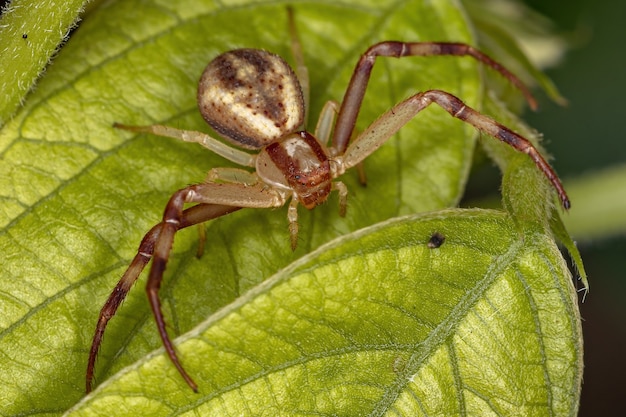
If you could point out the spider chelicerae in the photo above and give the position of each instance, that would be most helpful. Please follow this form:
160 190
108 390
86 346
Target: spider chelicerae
255 101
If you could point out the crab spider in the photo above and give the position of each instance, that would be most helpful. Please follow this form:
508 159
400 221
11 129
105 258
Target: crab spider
255 101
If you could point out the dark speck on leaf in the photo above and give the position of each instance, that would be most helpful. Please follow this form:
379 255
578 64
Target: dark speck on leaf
436 240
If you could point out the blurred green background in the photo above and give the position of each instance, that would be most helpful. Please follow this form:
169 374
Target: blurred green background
586 136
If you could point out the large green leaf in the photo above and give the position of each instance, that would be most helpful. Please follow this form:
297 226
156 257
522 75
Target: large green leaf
380 323
78 195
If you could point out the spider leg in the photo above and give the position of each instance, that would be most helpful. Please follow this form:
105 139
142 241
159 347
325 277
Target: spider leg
232 154
391 121
302 72
292 217
192 216
325 122
236 195
232 175
341 188
355 92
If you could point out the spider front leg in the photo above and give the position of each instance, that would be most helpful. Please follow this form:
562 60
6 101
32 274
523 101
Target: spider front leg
353 97
214 200
391 121
192 216
236 195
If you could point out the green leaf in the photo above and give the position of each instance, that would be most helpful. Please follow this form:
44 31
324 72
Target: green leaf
378 323
78 196
30 33
526 193
561 233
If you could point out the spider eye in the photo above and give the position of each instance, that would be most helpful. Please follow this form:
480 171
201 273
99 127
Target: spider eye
251 97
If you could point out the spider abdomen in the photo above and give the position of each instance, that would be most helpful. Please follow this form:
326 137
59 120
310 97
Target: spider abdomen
251 97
